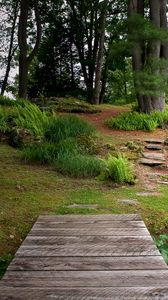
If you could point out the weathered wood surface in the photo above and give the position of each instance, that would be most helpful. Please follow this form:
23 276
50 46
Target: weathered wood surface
87 257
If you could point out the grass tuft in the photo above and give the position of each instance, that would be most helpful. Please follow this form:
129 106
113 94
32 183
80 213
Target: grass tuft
65 127
80 166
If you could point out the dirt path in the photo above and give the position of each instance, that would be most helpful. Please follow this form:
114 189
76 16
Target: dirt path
121 136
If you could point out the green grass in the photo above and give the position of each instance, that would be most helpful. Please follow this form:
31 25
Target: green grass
139 121
78 165
63 127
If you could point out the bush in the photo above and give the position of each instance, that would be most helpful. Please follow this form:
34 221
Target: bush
67 126
119 169
29 116
78 165
135 121
70 105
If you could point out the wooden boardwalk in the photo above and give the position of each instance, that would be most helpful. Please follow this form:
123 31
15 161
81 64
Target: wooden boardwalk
87 257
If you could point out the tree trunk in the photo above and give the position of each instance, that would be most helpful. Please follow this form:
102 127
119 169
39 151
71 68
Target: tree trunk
24 60
100 56
11 50
158 102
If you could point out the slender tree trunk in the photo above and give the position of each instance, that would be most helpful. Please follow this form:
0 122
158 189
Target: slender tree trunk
11 50
24 60
100 56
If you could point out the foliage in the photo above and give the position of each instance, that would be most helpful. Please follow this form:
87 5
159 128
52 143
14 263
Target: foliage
69 105
4 100
63 127
118 169
3 124
139 121
78 165
162 244
29 116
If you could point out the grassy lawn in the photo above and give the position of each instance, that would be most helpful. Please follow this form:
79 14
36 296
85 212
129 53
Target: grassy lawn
30 190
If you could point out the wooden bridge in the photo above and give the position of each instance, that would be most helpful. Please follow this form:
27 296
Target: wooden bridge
87 257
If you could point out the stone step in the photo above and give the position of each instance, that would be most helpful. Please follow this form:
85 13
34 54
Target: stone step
151 162
154 147
155 156
154 141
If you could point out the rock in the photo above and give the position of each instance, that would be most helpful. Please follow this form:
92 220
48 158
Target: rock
154 147
90 206
151 162
132 202
19 137
154 141
148 194
155 156
163 182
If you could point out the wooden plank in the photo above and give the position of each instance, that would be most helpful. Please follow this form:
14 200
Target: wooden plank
101 249
87 240
91 218
122 278
87 263
82 231
109 293
88 225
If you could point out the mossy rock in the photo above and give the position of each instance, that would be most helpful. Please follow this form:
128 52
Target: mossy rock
18 137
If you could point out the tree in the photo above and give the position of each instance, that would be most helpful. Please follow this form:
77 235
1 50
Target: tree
12 49
24 59
150 53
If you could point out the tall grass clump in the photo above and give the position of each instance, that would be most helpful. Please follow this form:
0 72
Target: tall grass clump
63 127
29 116
43 153
118 169
78 165
135 121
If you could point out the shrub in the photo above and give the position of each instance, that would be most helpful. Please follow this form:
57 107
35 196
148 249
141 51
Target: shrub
119 169
135 121
29 116
67 126
78 165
